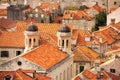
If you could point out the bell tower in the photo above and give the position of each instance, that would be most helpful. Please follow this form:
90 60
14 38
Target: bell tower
64 38
32 38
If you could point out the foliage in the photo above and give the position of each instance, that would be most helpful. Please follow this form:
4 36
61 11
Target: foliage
100 20
83 7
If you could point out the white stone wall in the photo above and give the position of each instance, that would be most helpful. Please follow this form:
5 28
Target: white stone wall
12 52
114 15
63 72
112 64
12 65
81 24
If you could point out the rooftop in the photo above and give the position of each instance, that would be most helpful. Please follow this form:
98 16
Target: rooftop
46 57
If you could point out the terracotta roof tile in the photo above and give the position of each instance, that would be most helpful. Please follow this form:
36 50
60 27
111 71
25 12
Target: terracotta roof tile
46 57
46 30
5 23
47 7
83 53
31 20
81 37
112 9
77 78
21 75
89 74
77 14
75 33
98 8
12 39
3 12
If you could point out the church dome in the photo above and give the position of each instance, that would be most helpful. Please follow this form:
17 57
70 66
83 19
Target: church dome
32 27
64 29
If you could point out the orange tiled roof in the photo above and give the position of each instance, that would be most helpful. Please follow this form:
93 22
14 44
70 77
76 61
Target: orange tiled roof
31 20
89 74
112 9
75 33
81 37
98 8
92 76
47 7
57 19
78 14
46 57
46 30
21 75
83 53
12 39
5 23
77 78
107 34
28 10
3 12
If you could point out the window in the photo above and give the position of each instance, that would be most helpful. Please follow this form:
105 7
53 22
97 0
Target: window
34 40
115 3
4 54
18 53
67 43
62 42
30 42
19 63
81 68
42 21
64 75
112 70
7 77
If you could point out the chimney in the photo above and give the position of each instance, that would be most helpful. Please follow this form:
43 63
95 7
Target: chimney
113 21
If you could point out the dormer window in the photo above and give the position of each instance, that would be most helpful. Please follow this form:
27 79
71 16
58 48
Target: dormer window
7 77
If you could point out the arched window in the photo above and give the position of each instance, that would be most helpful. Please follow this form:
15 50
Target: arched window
30 42
115 3
62 42
34 40
67 43
7 77
64 75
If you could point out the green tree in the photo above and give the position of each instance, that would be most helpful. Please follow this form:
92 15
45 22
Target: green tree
100 20
83 7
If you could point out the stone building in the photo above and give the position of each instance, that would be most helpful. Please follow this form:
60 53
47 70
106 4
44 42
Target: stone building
22 74
79 19
55 62
16 12
82 60
113 17
46 12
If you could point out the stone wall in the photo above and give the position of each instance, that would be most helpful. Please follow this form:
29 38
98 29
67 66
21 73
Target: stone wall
12 52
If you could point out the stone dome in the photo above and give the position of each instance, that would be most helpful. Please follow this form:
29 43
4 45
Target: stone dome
64 29
32 27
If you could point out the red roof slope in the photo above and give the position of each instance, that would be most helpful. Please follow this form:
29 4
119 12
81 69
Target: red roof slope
46 56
